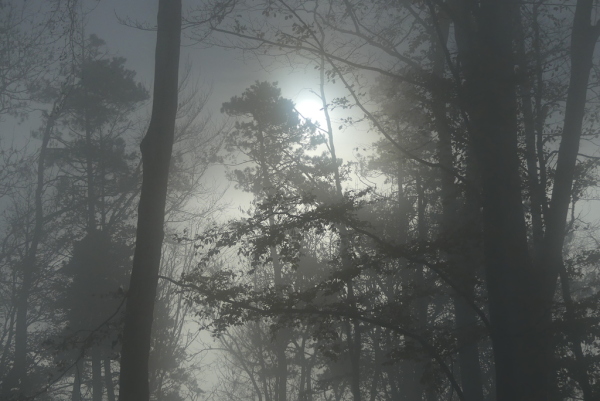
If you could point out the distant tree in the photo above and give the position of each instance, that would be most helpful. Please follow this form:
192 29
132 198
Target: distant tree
273 138
98 177
176 364
33 34
16 384
97 183
97 269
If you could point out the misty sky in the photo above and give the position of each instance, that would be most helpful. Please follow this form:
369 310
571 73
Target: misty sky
225 72
228 71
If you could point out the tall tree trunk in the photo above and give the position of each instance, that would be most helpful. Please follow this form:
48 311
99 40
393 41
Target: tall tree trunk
488 61
156 150
469 270
583 41
453 220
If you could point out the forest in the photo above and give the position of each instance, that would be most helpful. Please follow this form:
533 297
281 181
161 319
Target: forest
158 244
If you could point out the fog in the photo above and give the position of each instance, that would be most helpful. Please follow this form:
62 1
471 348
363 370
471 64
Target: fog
299 200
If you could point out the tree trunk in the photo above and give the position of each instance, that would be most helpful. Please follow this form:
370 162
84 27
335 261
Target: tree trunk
583 41
353 329
6 349
392 374
108 379
96 373
454 221
282 335
469 269
521 371
422 302
537 196
468 352
309 390
156 150
89 172
377 362
76 391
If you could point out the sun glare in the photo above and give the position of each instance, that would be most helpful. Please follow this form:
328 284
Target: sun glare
312 109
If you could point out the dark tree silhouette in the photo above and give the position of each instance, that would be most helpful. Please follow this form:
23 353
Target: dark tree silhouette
156 150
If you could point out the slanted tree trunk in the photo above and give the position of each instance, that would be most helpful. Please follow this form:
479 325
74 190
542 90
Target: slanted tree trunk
583 42
156 150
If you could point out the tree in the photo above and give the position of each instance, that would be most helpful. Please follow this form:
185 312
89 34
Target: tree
97 181
271 140
519 291
27 56
97 270
98 172
16 384
156 154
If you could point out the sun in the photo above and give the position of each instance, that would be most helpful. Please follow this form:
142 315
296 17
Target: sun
312 109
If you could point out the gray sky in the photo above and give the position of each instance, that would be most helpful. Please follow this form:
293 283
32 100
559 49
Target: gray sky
228 72
225 70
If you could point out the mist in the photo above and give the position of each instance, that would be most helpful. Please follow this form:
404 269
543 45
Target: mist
273 200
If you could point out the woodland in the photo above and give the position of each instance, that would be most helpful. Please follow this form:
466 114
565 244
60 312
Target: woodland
454 257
